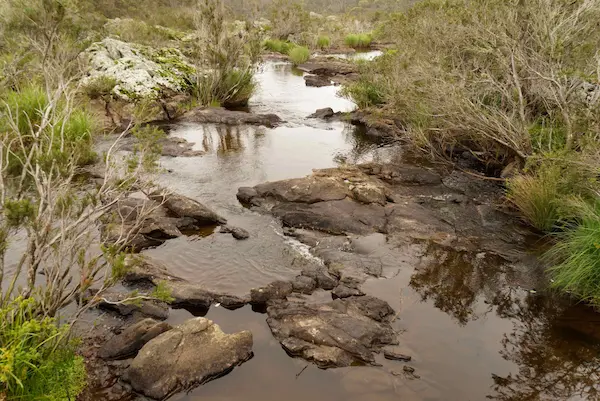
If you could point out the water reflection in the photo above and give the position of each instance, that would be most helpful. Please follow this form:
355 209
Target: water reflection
554 345
555 348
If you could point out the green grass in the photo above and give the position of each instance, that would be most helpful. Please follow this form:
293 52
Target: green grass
359 41
278 46
323 42
364 93
299 55
576 256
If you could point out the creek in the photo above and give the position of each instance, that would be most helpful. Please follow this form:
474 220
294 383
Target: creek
475 326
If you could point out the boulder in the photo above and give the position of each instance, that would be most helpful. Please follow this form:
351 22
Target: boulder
186 356
153 309
304 285
132 339
182 206
336 334
217 115
322 280
323 113
317 81
329 67
236 232
343 291
138 71
273 291
192 295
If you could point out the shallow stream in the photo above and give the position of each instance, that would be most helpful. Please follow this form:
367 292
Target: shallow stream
475 328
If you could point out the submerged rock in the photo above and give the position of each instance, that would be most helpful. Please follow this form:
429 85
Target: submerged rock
186 356
170 146
132 339
182 206
337 334
317 81
218 115
236 232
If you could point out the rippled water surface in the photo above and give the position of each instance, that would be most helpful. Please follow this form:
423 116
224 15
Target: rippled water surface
476 328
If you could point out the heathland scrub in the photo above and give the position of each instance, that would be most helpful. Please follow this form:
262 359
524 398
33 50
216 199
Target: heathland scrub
516 84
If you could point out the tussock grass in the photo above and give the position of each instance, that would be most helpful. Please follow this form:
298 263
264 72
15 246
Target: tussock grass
576 255
359 41
299 55
323 42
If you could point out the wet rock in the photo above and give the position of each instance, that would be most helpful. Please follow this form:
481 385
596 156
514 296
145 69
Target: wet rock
132 339
183 206
402 174
186 356
329 68
218 115
170 146
236 232
343 291
141 270
154 309
317 81
323 113
191 295
376 127
273 291
335 334
323 280
246 194
396 356
304 285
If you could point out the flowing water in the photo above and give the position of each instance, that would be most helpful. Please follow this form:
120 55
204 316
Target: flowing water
475 327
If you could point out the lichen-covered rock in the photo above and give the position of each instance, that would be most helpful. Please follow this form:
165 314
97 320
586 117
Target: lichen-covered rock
186 356
139 71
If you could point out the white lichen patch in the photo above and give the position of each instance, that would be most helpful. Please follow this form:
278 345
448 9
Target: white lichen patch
140 71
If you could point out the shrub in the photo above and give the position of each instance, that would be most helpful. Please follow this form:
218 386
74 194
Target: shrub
35 118
351 40
577 255
278 46
299 55
36 359
323 42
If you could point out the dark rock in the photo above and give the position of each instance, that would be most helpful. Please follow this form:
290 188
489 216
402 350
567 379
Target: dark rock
236 232
323 280
317 81
395 356
186 356
304 285
217 115
335 334
273 291
132 339
183 206
145 271
402 174
323 113
191 295
154 309
343 291
246 194
328 67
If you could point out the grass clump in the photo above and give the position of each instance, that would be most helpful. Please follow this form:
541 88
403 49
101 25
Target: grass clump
364 93
576 255
323 42
299 55
278 46
359 41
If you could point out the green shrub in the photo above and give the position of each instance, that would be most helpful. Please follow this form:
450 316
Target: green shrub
100 87
230 89
576 255
299 55
351 40
278 46
37 362
323 42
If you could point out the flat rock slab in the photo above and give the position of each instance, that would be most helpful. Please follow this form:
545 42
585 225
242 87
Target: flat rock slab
328 67
218 115
341 333
186 356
